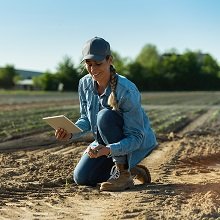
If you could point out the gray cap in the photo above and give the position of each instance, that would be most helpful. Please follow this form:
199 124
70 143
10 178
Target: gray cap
96 49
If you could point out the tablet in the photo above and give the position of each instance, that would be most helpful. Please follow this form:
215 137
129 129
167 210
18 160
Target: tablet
61 121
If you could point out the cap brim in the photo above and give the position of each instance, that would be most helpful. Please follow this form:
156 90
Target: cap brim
93 57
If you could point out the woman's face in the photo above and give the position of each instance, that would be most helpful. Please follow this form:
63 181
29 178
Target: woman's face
99 70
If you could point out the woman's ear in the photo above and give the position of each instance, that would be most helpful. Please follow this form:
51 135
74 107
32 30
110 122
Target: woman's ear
110 60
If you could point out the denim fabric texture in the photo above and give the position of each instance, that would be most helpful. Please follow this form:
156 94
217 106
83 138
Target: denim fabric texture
138 137
90 171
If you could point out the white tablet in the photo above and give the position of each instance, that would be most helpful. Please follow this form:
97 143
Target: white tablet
61 121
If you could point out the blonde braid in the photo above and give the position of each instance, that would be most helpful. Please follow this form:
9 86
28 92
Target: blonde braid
112 99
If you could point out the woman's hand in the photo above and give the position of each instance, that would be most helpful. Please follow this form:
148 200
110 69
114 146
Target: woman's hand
62 134
98 151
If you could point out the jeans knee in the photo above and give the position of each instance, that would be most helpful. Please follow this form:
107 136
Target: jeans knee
104 116
108 118
79 178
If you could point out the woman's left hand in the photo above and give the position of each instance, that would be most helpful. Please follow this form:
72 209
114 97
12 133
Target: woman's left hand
62 134
99 151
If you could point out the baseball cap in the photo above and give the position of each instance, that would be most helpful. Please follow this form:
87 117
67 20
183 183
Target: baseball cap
96 49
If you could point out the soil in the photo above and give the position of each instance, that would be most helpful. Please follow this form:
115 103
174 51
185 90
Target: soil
36 179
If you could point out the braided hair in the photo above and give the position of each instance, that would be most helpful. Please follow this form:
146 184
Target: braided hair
112 99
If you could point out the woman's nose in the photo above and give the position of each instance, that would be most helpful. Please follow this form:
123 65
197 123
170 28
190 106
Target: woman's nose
93 69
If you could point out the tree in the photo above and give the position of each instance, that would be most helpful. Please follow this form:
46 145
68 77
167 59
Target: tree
138 75
67 74
120 64
209 65
46 81
7 77
210 78
170 69
148 57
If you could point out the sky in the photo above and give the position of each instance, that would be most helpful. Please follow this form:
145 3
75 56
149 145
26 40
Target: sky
37 34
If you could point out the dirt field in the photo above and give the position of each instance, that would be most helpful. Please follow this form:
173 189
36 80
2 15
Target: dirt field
36 179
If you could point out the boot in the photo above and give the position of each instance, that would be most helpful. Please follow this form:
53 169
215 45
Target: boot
141 173
119 180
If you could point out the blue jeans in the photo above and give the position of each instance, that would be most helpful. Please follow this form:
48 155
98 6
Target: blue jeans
90 171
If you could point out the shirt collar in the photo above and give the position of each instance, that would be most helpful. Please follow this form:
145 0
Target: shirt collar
95 91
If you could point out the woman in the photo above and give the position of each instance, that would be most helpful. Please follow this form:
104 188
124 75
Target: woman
110 106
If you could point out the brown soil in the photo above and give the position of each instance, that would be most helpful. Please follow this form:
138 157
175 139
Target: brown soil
36 180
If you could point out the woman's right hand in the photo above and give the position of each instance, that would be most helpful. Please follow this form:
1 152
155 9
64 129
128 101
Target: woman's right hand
90 152
62 134
97 151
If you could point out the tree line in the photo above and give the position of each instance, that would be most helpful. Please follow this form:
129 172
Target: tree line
150 71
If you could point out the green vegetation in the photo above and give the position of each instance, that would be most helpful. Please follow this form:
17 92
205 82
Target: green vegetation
21 114
17 123
66 75
173 119
7 77
150 71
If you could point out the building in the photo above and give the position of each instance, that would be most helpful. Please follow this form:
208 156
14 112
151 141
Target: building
26 79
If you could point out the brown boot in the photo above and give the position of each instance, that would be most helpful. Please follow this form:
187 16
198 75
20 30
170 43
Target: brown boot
120 179
141 173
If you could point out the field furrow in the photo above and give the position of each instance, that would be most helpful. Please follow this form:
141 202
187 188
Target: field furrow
36 170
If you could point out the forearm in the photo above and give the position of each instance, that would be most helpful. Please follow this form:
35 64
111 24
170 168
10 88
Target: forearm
83 123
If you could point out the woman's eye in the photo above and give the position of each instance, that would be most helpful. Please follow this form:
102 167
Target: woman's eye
95 64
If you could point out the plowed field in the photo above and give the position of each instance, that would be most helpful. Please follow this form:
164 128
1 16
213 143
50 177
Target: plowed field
36 170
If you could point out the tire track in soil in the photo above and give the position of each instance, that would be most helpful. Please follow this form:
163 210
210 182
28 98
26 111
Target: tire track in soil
174 192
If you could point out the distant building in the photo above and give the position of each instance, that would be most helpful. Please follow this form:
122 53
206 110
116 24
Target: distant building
26 74
26 81
26 84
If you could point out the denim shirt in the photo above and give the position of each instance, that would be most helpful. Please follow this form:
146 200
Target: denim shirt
139 138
